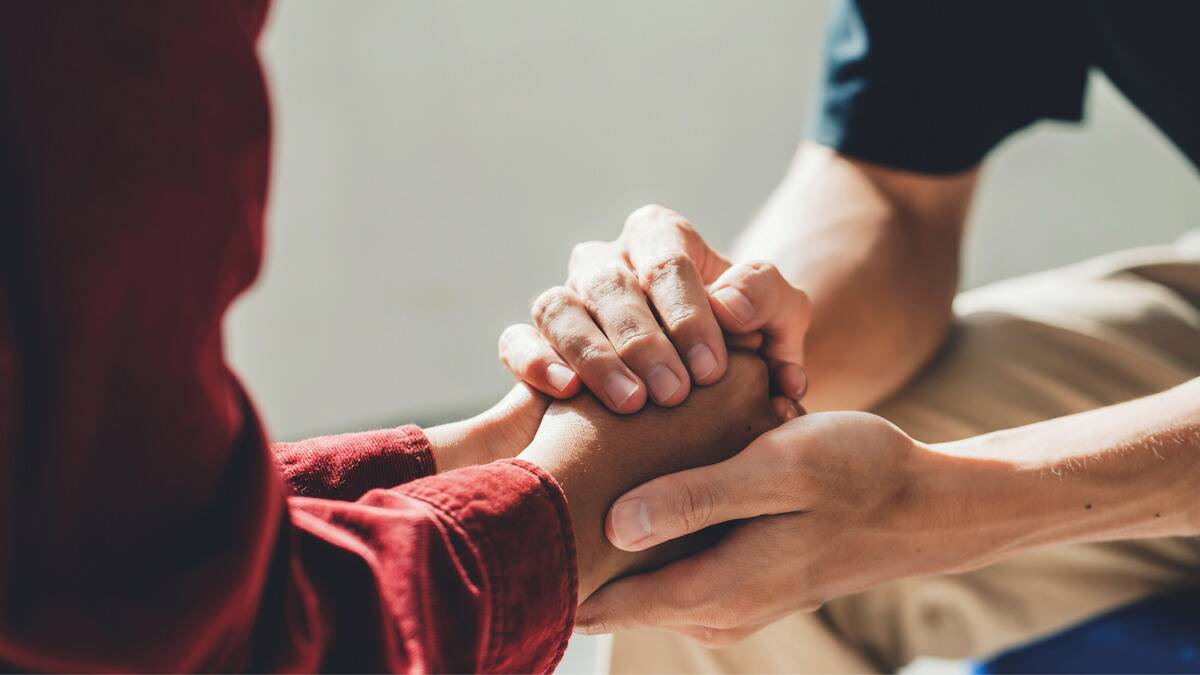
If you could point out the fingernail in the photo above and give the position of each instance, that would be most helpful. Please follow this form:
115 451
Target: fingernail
701 361
793 411
630 522
802 385
619 389
559 376
736 302
663 382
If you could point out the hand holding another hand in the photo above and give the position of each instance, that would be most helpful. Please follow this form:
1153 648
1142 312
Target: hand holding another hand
833 503
645 316
596 455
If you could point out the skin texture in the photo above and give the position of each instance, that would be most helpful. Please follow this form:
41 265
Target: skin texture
500 432
835 503
653 310
845 501
877 251
866 255
830 492
596 455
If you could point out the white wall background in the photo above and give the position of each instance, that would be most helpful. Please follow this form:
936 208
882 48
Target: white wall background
436 160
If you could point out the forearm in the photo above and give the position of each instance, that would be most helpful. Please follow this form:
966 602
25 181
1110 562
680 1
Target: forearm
877 252
1123 472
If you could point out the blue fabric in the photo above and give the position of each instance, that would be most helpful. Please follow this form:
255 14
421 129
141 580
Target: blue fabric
933 85
1157 635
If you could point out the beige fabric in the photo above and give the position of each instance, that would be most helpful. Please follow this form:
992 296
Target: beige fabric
1092 334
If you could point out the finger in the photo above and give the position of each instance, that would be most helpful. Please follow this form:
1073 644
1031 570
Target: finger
520 401
665 597
750 341
789 379
562 319
756 297
785 408
673 264
532 360
688 501
513 422
600 275
711 588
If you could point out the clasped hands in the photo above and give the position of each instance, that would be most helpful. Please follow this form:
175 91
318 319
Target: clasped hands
719 507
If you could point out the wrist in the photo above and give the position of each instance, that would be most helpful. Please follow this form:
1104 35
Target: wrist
587 500
972 505
456 445
500 432
589 493
1123 472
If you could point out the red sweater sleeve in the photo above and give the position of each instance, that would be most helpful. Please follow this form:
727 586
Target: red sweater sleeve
144 524
347 465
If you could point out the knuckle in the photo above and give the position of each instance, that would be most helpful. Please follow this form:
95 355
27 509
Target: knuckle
585 350
587 249
508 336
682 318
551 304
765 269
759 275
666 267
605 283
685 228
534 361
697 503
509 345
712 638
632 339
647 215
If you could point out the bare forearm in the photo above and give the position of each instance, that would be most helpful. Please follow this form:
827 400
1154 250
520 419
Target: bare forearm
877 251
1123 472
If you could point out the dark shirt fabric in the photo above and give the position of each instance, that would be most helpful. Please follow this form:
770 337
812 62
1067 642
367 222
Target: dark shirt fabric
933 85
145 522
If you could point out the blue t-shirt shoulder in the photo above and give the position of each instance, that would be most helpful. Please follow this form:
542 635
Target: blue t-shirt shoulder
933 85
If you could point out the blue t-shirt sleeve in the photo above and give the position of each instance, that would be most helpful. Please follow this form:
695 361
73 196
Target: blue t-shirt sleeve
933 85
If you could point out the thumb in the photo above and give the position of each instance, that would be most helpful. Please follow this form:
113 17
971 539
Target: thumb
755 297
511 424
681 503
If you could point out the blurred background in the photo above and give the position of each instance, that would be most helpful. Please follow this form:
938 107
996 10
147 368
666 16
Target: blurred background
436 160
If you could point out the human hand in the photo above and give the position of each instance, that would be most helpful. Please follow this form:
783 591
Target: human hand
834 506
500 432
596 455
634 311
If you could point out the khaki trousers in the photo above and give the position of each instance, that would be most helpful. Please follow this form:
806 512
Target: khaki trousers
1051 344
